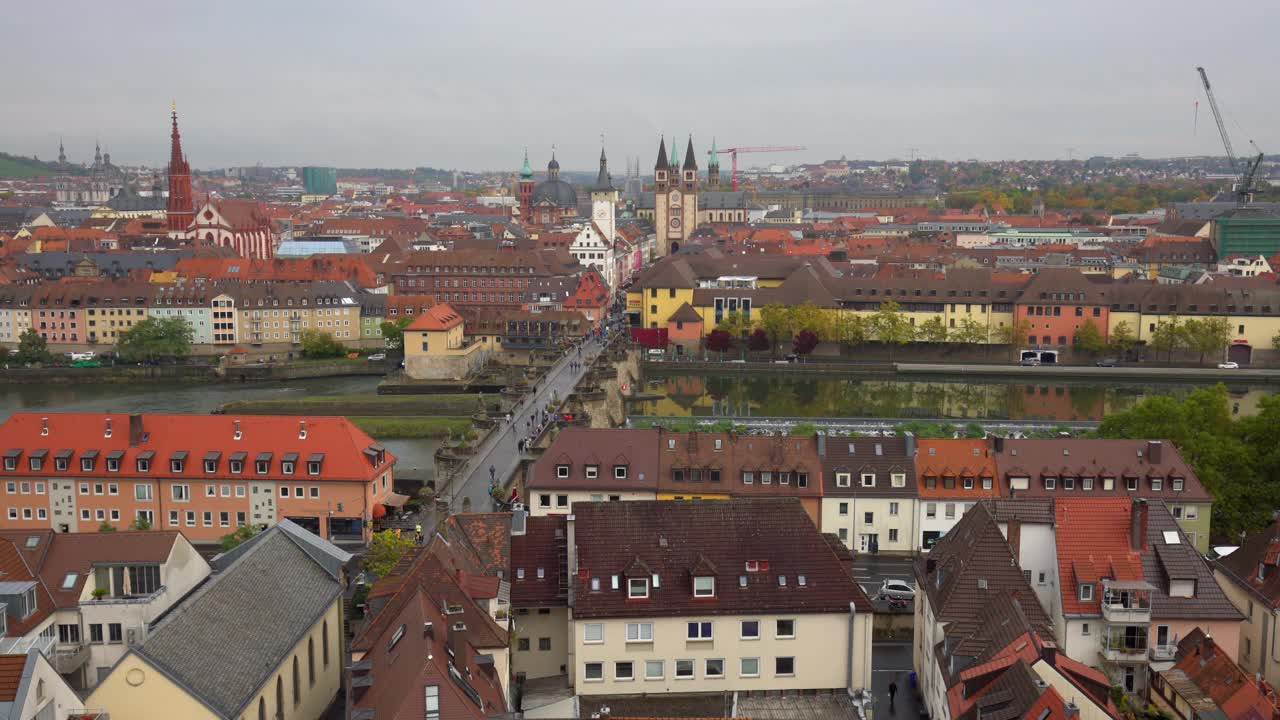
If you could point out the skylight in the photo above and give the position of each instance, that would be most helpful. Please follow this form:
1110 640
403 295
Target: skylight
1170 537
69 581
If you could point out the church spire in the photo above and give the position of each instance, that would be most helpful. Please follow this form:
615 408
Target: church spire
674 164
62 153
714 162
603 182
662 163
97 154
690 161
181 205
526 172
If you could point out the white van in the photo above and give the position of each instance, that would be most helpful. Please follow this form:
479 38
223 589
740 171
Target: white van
656 355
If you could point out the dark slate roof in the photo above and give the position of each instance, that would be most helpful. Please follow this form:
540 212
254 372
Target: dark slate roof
1259 549
881 456
58 264
690 158
538 548
227 639
1211 210
975 550
658 705
1163 561
128 200
577 447
662 163
1009 697
1027 510
557 192
685 313
671 537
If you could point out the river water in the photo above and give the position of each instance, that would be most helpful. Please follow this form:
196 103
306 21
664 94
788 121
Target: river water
415 456
869 396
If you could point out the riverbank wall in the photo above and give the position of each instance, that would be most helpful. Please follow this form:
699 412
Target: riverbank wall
264 372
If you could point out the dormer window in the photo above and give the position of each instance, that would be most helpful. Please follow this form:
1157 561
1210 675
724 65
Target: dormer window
592 471
113 461
236 466
843 480
1086 592
868 479
87 460
11 459
704 586
1050 483
1157 484
1177 484
287 466
638 588
1131 484
620 472
671 443
562 471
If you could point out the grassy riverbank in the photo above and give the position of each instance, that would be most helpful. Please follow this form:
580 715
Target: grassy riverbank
400 427
367 405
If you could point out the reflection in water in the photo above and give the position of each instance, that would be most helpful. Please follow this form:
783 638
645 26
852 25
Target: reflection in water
779 395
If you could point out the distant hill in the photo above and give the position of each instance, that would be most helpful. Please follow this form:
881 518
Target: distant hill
16 166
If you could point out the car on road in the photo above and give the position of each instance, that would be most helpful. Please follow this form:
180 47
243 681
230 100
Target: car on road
897 589
1229 365
377 357
1107 362
1030 362
86 355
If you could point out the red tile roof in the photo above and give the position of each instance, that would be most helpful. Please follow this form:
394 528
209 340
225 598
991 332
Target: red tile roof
345 447
958 459
79 552
1256 564
436 318
1092 543
14 569
770 542
1215 673
11 667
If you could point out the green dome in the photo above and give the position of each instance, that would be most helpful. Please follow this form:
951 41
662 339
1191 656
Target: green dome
526 172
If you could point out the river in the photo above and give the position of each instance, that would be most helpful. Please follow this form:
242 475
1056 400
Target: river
416 456
871 396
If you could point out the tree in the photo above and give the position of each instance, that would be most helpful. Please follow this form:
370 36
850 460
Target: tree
229 541
932 330
1208 335
719 341
891 327
776 320
734 323
805 342
155 339
758 341
106 527
850 329
320 344
810 317
1015 333
1275 341
1088 338
1122 339
32 348
970 332
140 523
1168 336
385 550
393 332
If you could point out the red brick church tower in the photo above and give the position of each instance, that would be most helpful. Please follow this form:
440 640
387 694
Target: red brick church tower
181 208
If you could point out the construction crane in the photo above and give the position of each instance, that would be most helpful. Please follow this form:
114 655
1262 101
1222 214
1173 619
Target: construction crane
733 155
1243 187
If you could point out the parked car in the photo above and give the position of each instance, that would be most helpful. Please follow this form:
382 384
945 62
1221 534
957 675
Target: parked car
377 357
1229 365
1030 362
897 589
86 355
1107 362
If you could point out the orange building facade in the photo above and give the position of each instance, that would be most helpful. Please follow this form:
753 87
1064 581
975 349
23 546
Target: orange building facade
204 475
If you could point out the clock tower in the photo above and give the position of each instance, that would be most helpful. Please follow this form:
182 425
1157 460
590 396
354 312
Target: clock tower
604 200
675 198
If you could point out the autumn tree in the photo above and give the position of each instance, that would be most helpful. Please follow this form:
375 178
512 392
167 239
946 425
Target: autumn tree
1122 339
719 341
758 341
1015 333
932 330
805 342
891 327
777 322
1208 335
1088 338
735 323
812 318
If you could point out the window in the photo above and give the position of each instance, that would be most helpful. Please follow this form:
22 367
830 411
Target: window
208 518
653 669
1084 628
1157 484
931 510
699 631
986 483
284 491
95 634
261 466
639 632
173 517
115 634
868 479
893 508
748 478
786 628
637 588
684 669
592 471
869 518
593 672
898 479
191 518
1131 484
86 464
1050 483
69 634
181 493
842 480
704 586
562 471
714 668
784 666
236 466
562 501
593 633
1086 592
1177 484
544 644
286 467
749 667
623 670
431 694
750 630
950 510
142 492
844 509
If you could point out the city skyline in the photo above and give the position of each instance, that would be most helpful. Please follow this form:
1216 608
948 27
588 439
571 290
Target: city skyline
451 88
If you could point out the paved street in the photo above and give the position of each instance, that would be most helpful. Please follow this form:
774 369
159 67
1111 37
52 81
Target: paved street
499 449
870 570
891 662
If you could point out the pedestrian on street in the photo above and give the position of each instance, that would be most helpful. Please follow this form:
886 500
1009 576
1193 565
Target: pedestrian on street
893 692
493 473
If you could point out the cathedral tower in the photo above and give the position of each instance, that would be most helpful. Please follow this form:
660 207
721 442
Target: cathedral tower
525 189
713 168
181 208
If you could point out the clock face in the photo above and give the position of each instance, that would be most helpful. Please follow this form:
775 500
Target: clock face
675 223
602 212
675 197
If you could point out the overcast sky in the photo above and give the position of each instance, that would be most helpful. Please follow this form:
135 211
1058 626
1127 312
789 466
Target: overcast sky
468 85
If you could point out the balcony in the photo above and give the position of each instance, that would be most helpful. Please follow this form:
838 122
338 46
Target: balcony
1164 653
67 658
21 645
1126 602
1126 644
1118 613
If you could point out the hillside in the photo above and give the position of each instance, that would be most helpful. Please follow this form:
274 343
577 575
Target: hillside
16 166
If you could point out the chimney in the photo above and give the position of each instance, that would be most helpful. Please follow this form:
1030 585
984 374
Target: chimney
135 429
571 548
1071 709
1138 525
822 444
1153 451
106 432
237 434
302 429
911 444
1049 651
44 426
1015 539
